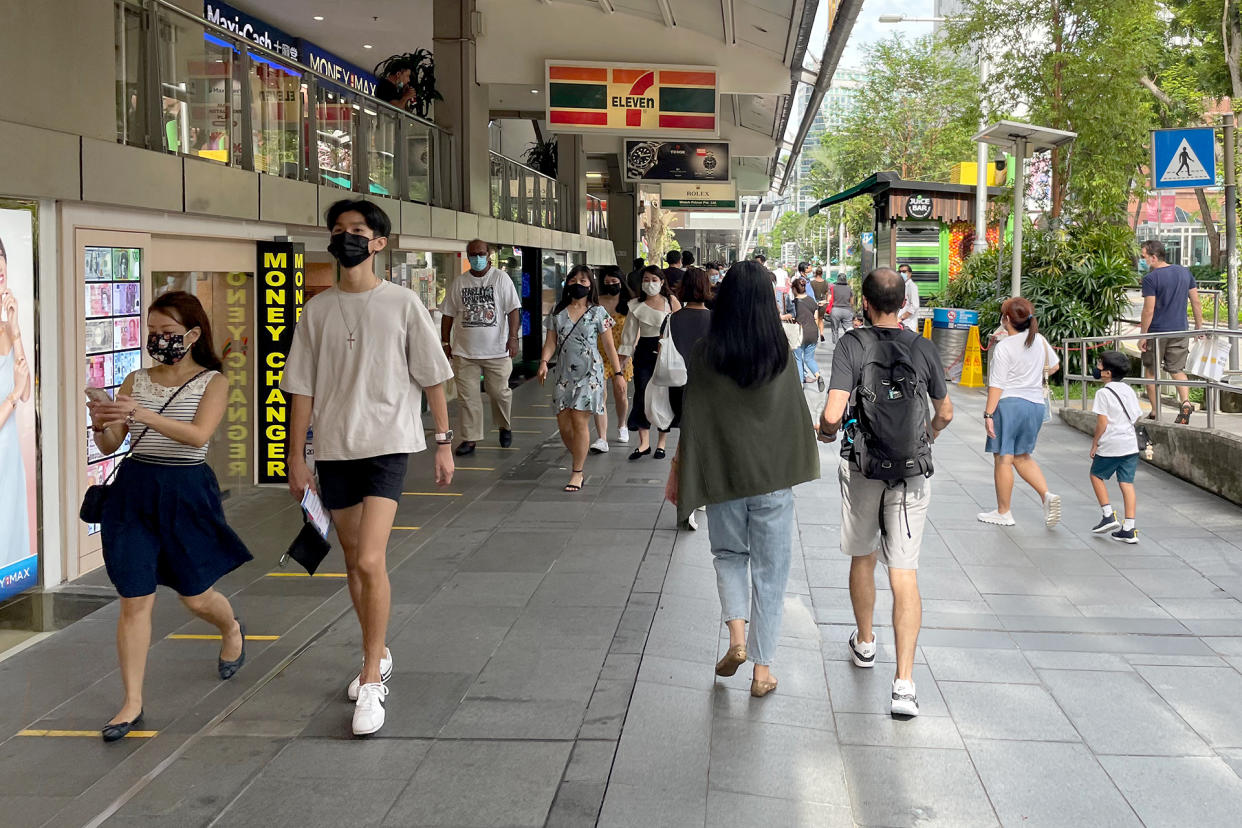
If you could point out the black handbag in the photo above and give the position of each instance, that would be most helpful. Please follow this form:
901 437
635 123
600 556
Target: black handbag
96 498
309 548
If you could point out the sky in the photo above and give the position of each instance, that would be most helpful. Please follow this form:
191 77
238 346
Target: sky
868 28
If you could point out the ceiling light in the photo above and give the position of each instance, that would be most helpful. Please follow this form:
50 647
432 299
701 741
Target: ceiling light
534 91
594 175
367 46
318 17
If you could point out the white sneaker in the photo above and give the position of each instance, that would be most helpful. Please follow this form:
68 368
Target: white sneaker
369 712
996 518
600 446
1052 509
623 434
863 653
905 700
385 675
691 523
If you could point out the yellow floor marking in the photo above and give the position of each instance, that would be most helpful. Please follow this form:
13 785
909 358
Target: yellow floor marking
432 494
407 528
133 734
473 468
306 575
216 637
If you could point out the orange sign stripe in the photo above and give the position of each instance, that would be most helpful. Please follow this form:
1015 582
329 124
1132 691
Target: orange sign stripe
689 78
577 73
627 75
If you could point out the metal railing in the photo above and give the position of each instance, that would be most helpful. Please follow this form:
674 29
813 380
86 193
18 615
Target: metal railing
1082 346
188 87
525 195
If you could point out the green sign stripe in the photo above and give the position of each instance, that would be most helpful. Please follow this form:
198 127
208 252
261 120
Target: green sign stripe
579 95
681 99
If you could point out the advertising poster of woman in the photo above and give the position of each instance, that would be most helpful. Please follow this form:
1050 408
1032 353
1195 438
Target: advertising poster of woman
18 541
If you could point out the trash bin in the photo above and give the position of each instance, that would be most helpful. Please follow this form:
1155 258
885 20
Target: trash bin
950 330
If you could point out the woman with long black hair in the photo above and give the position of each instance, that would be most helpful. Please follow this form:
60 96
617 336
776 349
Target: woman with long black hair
571 350
641 342
614 298
163 522
742 383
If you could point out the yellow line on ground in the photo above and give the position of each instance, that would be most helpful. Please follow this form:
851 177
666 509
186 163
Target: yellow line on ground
473 468
432 494
133 734
407 528
306 575
216 637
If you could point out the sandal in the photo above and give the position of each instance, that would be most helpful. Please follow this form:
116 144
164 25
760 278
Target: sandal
733 659
571 488
759 689
1183 416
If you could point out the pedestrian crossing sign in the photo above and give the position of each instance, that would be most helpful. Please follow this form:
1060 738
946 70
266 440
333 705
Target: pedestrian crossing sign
1183 158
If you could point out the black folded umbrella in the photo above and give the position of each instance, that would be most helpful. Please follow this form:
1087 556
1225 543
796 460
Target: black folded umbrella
309 548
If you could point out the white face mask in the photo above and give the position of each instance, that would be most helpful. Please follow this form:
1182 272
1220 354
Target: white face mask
651 288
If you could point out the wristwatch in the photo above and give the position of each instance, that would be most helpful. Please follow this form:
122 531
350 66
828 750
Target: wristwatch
445 438
987 416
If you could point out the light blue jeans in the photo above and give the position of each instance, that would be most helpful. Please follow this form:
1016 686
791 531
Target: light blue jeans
807 365
751 539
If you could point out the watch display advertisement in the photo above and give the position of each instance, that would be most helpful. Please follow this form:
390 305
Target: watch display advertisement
647 160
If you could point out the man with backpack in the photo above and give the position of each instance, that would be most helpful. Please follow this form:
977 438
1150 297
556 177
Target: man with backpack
882 379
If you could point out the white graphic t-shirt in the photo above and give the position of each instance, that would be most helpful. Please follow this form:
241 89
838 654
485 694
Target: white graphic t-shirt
480 306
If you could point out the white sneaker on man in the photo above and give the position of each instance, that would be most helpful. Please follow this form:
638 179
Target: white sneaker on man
905 700
369 711
623 434
600 446
996 518
385 675
863 652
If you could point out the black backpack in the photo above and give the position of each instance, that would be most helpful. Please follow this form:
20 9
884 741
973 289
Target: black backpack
891 439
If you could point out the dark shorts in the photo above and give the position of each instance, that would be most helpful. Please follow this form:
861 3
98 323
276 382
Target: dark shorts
164 525
1173 353
344 483
1124 467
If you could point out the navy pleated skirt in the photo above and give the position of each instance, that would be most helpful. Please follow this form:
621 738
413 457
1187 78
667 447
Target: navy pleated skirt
165 525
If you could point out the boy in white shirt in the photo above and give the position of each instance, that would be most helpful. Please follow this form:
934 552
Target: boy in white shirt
1115 449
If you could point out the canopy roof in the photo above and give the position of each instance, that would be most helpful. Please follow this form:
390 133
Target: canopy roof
882 182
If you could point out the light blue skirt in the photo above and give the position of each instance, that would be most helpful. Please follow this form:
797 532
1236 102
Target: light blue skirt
1017 423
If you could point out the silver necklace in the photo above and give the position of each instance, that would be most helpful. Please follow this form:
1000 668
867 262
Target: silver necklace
341 306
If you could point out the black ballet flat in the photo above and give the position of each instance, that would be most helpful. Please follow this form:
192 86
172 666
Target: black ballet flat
634 455
228 669
659 454
119 730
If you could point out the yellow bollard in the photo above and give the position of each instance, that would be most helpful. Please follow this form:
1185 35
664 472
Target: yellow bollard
927 328
972 362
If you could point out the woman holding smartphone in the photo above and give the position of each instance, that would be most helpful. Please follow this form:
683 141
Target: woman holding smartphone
163 522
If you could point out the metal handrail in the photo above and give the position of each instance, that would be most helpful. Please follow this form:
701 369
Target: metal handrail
517 163
1211 387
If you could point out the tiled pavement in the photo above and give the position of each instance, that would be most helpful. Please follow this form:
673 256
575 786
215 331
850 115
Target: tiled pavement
553 667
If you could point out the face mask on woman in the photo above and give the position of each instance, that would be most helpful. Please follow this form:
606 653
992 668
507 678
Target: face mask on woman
577 291
651 288
611 289
714 277
166 348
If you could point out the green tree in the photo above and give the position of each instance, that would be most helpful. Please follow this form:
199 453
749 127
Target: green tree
1075 65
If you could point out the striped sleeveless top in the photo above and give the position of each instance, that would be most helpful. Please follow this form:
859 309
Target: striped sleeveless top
155 447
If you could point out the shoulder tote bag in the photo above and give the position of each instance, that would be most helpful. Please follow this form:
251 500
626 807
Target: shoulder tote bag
670 367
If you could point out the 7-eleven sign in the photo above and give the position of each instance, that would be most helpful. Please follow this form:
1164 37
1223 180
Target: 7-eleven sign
631 98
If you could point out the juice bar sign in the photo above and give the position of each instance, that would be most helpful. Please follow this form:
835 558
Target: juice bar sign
280 304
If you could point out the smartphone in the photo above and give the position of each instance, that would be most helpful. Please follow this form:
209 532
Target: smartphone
98 395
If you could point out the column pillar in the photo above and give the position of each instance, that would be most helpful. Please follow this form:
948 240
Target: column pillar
571 173
464 109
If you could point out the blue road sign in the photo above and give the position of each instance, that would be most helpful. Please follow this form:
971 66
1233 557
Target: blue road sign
1183 158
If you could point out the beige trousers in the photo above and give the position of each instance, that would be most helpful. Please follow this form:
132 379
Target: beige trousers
496 380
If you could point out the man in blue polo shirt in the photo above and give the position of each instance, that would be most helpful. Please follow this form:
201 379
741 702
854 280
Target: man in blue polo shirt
1166 290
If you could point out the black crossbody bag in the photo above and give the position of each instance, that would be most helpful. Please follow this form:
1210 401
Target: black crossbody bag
96 498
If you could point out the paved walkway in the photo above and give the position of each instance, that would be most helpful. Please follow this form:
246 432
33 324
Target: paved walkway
553 667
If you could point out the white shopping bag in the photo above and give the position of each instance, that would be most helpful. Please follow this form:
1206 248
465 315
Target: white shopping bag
657 406
1208 357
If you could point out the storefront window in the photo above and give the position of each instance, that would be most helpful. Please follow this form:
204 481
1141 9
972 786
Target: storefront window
555 267
335 118
113 336
427 273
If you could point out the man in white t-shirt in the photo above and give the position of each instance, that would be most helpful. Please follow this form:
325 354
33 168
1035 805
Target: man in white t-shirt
1115 448
482 312
364 352
782 280
909 314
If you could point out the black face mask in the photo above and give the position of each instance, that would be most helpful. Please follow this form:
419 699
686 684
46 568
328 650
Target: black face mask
577 291
350 249
611 290
1095 373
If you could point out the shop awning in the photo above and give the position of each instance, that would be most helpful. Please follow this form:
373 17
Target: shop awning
882 182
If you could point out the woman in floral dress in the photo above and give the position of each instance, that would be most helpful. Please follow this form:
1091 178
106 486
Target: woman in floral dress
571 353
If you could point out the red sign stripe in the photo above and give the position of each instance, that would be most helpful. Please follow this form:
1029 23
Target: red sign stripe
562 116
578 73
688 122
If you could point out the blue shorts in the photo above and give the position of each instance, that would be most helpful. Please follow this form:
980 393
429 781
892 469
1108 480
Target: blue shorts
1124 467
1017 423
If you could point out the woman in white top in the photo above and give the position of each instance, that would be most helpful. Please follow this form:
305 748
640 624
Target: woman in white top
162 520
1019 367
641 342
